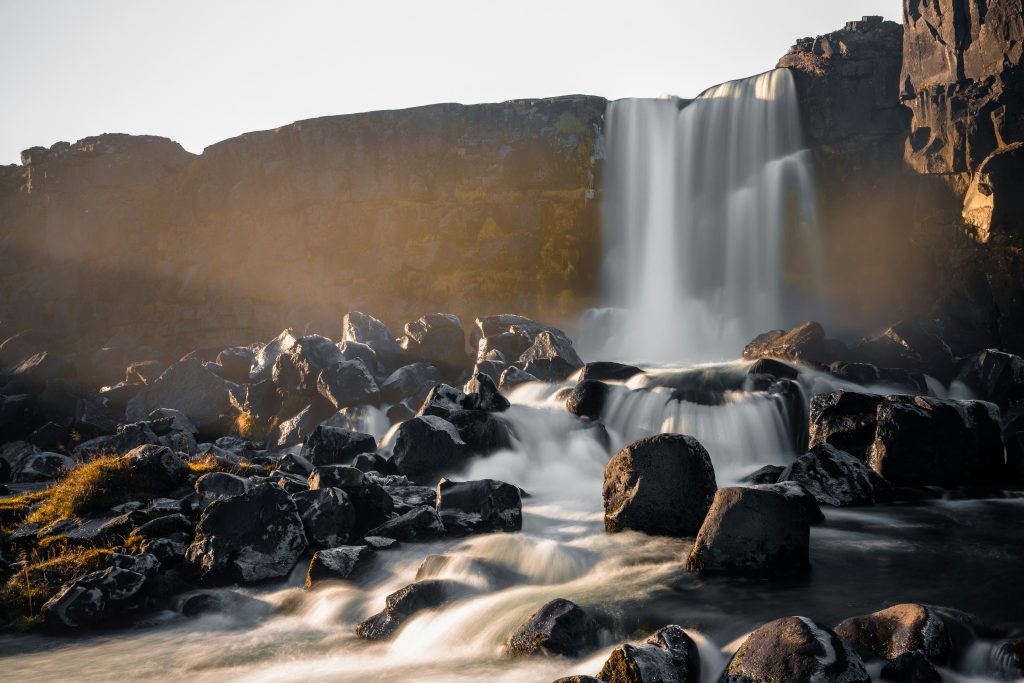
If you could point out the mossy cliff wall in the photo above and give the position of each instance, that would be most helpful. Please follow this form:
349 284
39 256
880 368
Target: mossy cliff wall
465 209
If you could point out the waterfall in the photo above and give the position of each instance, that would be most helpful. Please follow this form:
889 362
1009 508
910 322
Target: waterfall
710 222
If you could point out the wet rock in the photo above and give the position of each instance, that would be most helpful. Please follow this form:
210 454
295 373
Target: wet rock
483 394
994 376
347 383
236 363
101 595
340 476
668 655
923 440
128 436
336 446
587 399
1008 657
365 329
380 543
482 432
795 650
560 628
662 484
412 382
844 419
773 368
769 474
296 428
427 447
41 368
374 462
897 630
145 372
798 494
195 391
550 358
867 374
338 564
607 371
251 537
442 400
294 463
437 338
263 366
480 506
512 377
910 667
910 345
327 516
405 603
833 477
419 524
351 351
749 530
164 526
805 343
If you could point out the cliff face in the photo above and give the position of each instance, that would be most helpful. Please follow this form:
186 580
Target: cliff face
469 209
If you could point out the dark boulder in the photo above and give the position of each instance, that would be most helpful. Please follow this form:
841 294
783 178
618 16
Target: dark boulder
327 516
560 628
254 536
437 338
338 564
773 368
662 484
38 370
427 447
101 595
668 655
805 343
833 477
352 351
365 329
798 494
550 358
192 389
480 506
587 399
341 476
483 432
236 363
844 419
909 345
336 446
769 474
607 371
148 371
751 530
512 377
910 667
794 650
923 440
866 374
404 603
374 462
267 355
347 383
908 627
419 524
483 394
410 382
994 376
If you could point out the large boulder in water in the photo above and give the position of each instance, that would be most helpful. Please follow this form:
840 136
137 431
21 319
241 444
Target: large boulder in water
844 419
833 477
608 371
668 655
661 484
804 343
255 536
560 627
794 650
427 447
922 440
750 531
938 632
479 506
336 564
587 398
419 524
994 376
188 387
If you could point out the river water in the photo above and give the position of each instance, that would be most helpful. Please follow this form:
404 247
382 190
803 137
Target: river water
961 553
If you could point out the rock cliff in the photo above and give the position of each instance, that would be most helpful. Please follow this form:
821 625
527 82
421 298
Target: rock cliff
445 207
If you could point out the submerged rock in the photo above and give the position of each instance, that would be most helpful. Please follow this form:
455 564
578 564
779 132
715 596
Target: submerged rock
897 630
419 524
668 655
404 603
750 530
609 372
794 650
560 627
587 399
340 563
479 506
661 484
910 667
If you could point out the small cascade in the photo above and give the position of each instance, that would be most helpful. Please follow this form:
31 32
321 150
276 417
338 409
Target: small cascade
710 221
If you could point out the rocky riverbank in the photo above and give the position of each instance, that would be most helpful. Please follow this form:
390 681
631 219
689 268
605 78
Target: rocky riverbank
236 467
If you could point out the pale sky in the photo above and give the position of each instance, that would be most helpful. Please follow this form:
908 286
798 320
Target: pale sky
200 71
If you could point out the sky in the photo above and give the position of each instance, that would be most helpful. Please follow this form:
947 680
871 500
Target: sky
200 71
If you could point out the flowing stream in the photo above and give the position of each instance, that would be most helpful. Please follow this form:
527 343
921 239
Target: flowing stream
950 552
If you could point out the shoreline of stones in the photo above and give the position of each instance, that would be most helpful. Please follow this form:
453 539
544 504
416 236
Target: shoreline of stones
316 486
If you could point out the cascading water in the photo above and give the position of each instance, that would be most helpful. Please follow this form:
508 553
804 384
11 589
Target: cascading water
710 221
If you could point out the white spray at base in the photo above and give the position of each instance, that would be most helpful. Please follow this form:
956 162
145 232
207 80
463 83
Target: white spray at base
710 223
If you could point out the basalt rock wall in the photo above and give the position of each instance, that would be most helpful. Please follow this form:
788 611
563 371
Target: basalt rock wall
467 209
